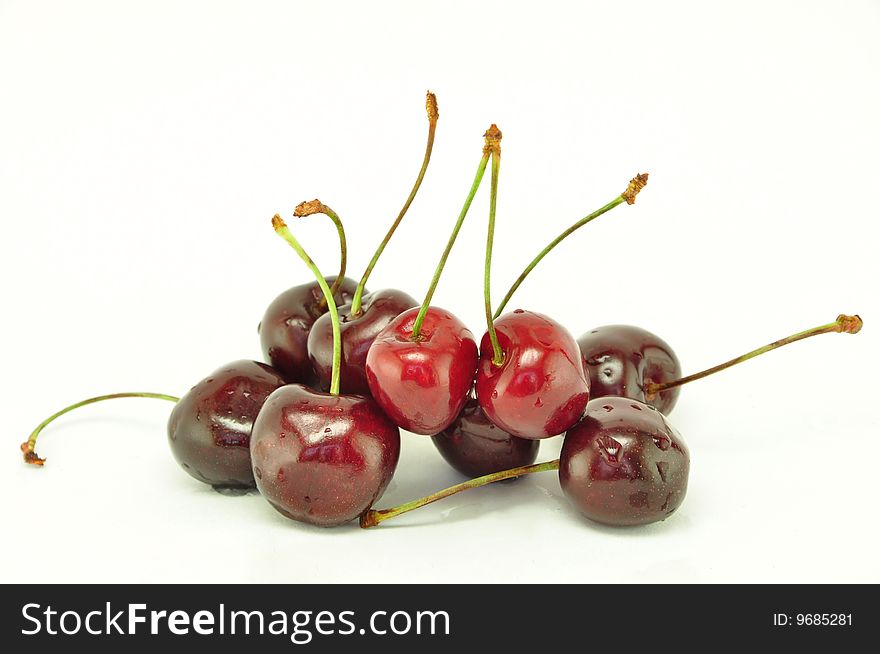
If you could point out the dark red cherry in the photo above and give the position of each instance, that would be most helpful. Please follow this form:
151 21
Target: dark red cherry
422 384
284 329
621 360
322 459
476 447
378 309
541 388
624 464
209 429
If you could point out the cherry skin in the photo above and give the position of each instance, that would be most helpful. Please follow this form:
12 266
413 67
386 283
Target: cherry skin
322 459
541 388
378 309
284 329
622 360
476 447
624 464
209 429
422 384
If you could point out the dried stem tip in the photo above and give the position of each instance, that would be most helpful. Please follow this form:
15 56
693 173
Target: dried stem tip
368 519
309 208
636 184
278 223
30 456
493 140
431 106
849 324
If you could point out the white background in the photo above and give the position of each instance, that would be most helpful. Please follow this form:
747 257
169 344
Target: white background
145 146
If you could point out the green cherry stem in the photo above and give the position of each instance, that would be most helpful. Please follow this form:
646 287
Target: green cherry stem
284 232
373 517
312 207
629 196
433 114
27 448
493 147
417 325
844 324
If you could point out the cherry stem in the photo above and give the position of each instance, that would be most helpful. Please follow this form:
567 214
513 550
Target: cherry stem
629 196
433 114
373 517
493 147
284 232
27 448
417 325
316 206
843 324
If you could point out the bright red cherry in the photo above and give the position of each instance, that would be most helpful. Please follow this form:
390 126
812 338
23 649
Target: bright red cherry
209 429
624 464
420 368
284 329
322 459
474 446
623 360
541 388
377 311
422 384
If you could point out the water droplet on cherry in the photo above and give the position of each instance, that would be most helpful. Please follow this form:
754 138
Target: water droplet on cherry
610 449
662 468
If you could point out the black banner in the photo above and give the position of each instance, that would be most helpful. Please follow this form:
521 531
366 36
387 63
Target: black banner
433 618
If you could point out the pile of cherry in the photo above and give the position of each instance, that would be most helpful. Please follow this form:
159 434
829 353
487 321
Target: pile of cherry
317 428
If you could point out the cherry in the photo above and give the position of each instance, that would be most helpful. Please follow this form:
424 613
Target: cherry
540 389
631 362
530 379
284 329
322 458
378 310
368 313
420 368
209 429
624 464
622 360
475 446
422 382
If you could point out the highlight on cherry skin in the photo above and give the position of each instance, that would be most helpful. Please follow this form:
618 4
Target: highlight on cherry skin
541 388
